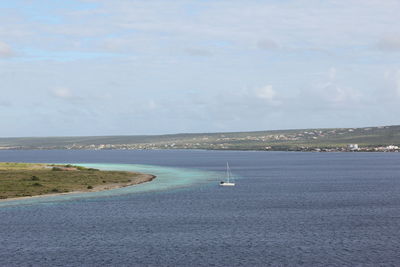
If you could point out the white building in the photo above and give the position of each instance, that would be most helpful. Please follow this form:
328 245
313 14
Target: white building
352 146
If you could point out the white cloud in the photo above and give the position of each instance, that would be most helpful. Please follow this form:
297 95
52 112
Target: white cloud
158 25
329 92
332 74
340 95
266 93
62 92
152 105
308 23
6 50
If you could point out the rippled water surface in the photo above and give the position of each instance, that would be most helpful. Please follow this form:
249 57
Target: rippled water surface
287 209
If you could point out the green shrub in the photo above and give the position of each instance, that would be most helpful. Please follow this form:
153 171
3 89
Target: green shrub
35 178
56 169
37 184
55 190
90 187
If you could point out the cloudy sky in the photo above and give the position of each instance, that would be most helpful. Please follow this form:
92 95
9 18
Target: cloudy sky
102 67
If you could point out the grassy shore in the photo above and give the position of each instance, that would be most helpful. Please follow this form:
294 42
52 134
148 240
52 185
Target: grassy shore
29 179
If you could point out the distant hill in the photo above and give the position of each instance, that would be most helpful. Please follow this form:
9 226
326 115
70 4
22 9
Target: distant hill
367 138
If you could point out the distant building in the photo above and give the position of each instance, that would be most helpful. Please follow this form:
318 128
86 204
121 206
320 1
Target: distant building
352 146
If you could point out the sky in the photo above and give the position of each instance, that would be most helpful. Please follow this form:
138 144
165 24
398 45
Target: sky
129 67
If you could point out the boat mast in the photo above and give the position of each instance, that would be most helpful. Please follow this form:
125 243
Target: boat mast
227 171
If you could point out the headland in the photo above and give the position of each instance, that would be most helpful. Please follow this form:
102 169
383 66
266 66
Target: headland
27 180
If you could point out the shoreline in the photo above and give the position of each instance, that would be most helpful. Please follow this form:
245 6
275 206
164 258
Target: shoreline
310 149
142 178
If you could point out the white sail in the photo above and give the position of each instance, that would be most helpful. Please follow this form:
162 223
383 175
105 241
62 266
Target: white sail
228 178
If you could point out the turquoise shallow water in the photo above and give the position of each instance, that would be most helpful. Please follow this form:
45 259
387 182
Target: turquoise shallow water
167 178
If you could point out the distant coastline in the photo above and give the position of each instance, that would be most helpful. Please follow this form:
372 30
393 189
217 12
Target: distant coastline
366 139
305 149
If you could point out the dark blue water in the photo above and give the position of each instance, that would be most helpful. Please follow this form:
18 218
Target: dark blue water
311 209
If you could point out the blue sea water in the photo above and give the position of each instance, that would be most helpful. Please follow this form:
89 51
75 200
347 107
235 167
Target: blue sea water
310 209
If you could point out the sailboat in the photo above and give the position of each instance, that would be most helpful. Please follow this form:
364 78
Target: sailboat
228 177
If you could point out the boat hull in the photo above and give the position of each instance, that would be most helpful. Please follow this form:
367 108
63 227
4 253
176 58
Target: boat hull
226 184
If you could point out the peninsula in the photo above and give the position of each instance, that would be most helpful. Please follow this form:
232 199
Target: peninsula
19 180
